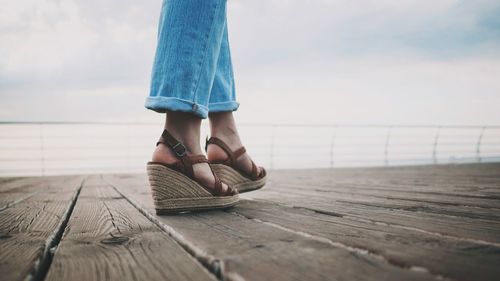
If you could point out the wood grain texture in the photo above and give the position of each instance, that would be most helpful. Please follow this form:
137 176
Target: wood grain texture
457 260
108 239
15 190
409 203
437 209
8 184
404 193
255 250
475 229
402 223
453 184
446 179
26 227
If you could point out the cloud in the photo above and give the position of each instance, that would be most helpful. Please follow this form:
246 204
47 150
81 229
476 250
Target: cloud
320 61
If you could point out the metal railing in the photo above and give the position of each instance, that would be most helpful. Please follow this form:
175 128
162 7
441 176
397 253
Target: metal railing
63 148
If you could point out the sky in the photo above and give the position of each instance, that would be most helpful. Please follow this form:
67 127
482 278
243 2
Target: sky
296 61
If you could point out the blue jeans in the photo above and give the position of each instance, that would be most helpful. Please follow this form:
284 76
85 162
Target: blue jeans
192 70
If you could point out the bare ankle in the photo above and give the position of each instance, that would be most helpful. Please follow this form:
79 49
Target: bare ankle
223 126
185 127
163 154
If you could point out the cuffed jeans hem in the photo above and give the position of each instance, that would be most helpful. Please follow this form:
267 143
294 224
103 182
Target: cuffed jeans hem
162 104
223 106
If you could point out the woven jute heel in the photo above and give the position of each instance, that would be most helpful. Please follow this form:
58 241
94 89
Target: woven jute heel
228 171
235 179
174 188
174 192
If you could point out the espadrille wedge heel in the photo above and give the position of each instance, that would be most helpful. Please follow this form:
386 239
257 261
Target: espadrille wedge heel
231 174
175 189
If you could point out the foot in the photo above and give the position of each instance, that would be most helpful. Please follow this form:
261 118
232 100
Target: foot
202 172
216 154
223 126
185 127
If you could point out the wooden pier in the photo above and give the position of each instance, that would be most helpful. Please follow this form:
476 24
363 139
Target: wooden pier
400 223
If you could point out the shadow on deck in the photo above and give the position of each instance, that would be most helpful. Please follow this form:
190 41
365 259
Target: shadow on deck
404 223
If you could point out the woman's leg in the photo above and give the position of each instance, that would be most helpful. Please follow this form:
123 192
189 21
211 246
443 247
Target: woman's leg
223 126
190 34
185 127
189 42
223 94
222 103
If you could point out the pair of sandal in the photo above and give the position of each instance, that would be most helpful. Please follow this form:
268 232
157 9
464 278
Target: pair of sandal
175 189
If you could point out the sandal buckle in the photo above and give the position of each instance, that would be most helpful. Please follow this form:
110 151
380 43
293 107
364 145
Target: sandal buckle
179 149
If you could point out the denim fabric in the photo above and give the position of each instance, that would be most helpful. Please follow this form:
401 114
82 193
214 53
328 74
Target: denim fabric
192 70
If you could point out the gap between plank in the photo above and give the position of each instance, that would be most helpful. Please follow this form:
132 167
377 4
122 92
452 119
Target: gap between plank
42 266
351 249
214 265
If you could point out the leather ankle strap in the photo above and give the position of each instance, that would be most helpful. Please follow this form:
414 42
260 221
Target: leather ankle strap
180 151
177 147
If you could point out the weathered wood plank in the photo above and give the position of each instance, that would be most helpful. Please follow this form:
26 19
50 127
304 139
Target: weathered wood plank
389 202
427 202
16 190
28 228
483 227
451 208
108 239
425 207
449 185
479 182
258 251
481 230
451 198
11 184
11 197
442 178
458 260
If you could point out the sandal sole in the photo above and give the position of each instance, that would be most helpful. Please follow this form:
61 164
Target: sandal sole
233 178
174 192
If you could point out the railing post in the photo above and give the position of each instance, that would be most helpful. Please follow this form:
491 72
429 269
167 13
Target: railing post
386 148
332 147
42 149
478 145
434 146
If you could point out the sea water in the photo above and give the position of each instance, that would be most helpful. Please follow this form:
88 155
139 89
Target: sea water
84 148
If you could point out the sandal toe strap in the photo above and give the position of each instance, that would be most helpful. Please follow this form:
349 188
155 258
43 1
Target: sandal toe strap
219 189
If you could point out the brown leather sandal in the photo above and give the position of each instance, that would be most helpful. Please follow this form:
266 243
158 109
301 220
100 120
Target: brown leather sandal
233 175
175 189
